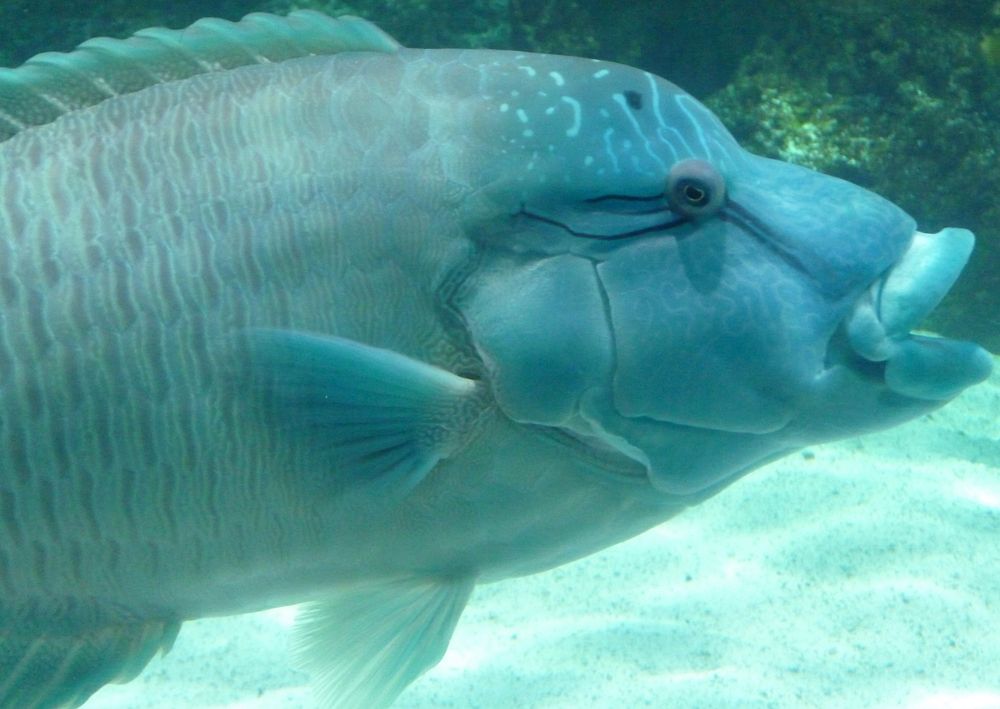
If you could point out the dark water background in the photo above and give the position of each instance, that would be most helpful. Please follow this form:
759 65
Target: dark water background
900 96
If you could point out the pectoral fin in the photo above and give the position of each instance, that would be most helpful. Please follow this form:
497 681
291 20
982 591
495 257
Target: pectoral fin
383 416
368 641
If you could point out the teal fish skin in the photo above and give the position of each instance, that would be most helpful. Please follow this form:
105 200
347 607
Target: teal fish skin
437 315
142 232
328 195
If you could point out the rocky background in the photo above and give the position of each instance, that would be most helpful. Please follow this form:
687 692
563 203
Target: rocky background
900 96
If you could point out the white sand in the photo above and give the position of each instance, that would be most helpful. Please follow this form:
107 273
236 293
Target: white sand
864 573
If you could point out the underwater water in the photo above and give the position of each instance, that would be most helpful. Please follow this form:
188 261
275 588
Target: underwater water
860 573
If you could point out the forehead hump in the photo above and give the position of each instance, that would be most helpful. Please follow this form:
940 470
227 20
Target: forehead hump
599 117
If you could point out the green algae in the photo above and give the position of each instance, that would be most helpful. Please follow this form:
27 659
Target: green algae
991 48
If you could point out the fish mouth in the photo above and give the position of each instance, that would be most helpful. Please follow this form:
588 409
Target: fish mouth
879 328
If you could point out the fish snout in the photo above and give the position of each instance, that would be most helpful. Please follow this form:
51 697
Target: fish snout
879 328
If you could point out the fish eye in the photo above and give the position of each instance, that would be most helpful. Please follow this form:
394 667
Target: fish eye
695 188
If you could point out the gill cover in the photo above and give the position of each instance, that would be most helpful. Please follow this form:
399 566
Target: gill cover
541 330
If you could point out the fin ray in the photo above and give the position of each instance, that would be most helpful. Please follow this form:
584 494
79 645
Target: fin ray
368 641
379 415
51 84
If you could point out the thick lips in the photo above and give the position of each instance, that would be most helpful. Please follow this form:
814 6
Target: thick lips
879 326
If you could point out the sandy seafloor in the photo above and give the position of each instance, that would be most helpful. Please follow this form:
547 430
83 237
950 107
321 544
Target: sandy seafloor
858 574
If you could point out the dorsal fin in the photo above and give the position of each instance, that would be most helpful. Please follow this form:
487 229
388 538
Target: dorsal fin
52 84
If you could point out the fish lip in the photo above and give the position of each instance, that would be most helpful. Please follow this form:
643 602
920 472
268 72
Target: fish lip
905 294
879 327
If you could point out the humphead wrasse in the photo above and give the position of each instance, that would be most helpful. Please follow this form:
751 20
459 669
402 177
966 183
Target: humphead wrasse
290 313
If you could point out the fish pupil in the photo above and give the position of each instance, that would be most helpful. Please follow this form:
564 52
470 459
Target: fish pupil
695 195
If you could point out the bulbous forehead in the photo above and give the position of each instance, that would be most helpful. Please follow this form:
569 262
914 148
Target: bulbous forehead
583 122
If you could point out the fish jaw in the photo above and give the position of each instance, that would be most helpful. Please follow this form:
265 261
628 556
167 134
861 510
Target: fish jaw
879 327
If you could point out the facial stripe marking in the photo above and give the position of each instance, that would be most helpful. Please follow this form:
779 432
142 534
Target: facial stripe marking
574 129
684 105
609 150
622 102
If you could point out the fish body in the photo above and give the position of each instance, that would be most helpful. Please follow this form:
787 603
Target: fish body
125 364
364 327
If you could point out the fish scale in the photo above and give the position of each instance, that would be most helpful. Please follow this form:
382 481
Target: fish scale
160 301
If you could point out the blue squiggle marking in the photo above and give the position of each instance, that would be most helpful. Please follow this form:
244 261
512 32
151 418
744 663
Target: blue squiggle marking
608 149
682 100
620 100
683 146
726 158
574 129
655 90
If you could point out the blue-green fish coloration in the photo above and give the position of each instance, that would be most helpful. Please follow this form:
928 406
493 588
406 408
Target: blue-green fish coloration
289 313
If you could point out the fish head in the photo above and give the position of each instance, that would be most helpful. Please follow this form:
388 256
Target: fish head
652 288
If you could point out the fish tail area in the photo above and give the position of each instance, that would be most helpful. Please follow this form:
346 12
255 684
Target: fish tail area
50 669
366 642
